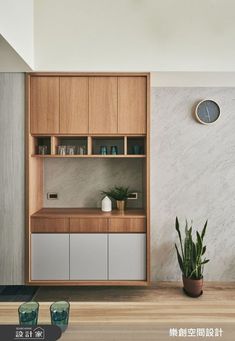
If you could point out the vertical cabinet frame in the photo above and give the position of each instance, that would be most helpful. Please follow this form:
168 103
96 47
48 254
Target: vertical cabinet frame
35 167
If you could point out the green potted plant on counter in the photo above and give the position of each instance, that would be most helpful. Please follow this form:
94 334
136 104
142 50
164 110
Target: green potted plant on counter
191 258
120 194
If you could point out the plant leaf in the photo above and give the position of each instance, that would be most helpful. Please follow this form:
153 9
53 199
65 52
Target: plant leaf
180 261
203 250
199 245
177 227
204 230
205 261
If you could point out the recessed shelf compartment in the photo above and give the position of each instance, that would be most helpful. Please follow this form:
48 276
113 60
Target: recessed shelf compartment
136 145
90 146
104 146
42 145
70 145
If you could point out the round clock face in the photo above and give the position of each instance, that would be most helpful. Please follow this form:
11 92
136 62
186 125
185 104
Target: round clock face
207 111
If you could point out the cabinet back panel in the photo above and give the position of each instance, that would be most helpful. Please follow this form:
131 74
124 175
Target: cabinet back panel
79 182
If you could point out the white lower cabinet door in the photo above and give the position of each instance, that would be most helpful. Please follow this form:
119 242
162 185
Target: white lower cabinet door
88 256
50 256
127 256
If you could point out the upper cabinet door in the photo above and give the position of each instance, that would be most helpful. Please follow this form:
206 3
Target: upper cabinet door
74 105
103 105
44 93
132 105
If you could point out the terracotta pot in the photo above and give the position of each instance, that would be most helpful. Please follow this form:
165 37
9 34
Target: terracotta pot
193 287
121 205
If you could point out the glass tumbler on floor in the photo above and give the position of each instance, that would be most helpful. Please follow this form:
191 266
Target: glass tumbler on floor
60 314
28 313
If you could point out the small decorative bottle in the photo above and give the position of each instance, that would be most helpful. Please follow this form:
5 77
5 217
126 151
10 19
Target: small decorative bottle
106 204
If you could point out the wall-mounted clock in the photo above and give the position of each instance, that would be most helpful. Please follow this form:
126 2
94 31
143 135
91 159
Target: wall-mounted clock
207 111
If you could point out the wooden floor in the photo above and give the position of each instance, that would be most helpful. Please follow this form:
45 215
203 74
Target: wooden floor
136 313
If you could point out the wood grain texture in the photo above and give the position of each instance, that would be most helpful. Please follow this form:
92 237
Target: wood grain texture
86 283
44 105
73 105
12 201
132 105
89 156
87 213
49 225
127 225
132 307
168 293
146 175
100 74
88 225
103 105
35 180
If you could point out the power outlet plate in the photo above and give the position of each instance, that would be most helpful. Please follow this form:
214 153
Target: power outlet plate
133 196
52 196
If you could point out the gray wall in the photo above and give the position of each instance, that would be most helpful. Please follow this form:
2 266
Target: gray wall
79 182
11 178
193 176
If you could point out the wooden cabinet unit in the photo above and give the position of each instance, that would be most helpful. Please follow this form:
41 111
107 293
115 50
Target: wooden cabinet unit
101 115
44 105
103 105
74 105
132 105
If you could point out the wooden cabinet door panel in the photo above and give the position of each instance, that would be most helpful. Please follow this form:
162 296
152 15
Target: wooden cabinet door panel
74 105
88 256
50 256
127 256
127 225
103 105
88 225
44 107
49 225
132 105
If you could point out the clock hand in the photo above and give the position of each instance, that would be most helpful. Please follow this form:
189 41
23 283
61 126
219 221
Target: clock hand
208 114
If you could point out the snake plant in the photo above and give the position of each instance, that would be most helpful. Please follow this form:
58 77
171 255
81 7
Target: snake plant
191 255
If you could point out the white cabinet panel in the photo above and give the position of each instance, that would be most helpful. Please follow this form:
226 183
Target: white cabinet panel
88 256
50 256
127 256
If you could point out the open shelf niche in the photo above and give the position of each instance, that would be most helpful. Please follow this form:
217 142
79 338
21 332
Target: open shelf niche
90 146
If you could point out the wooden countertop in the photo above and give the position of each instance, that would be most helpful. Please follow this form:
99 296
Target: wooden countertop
140 314
88 212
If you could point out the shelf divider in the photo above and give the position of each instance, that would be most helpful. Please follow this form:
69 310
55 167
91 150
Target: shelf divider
89 145
54 143
125 145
